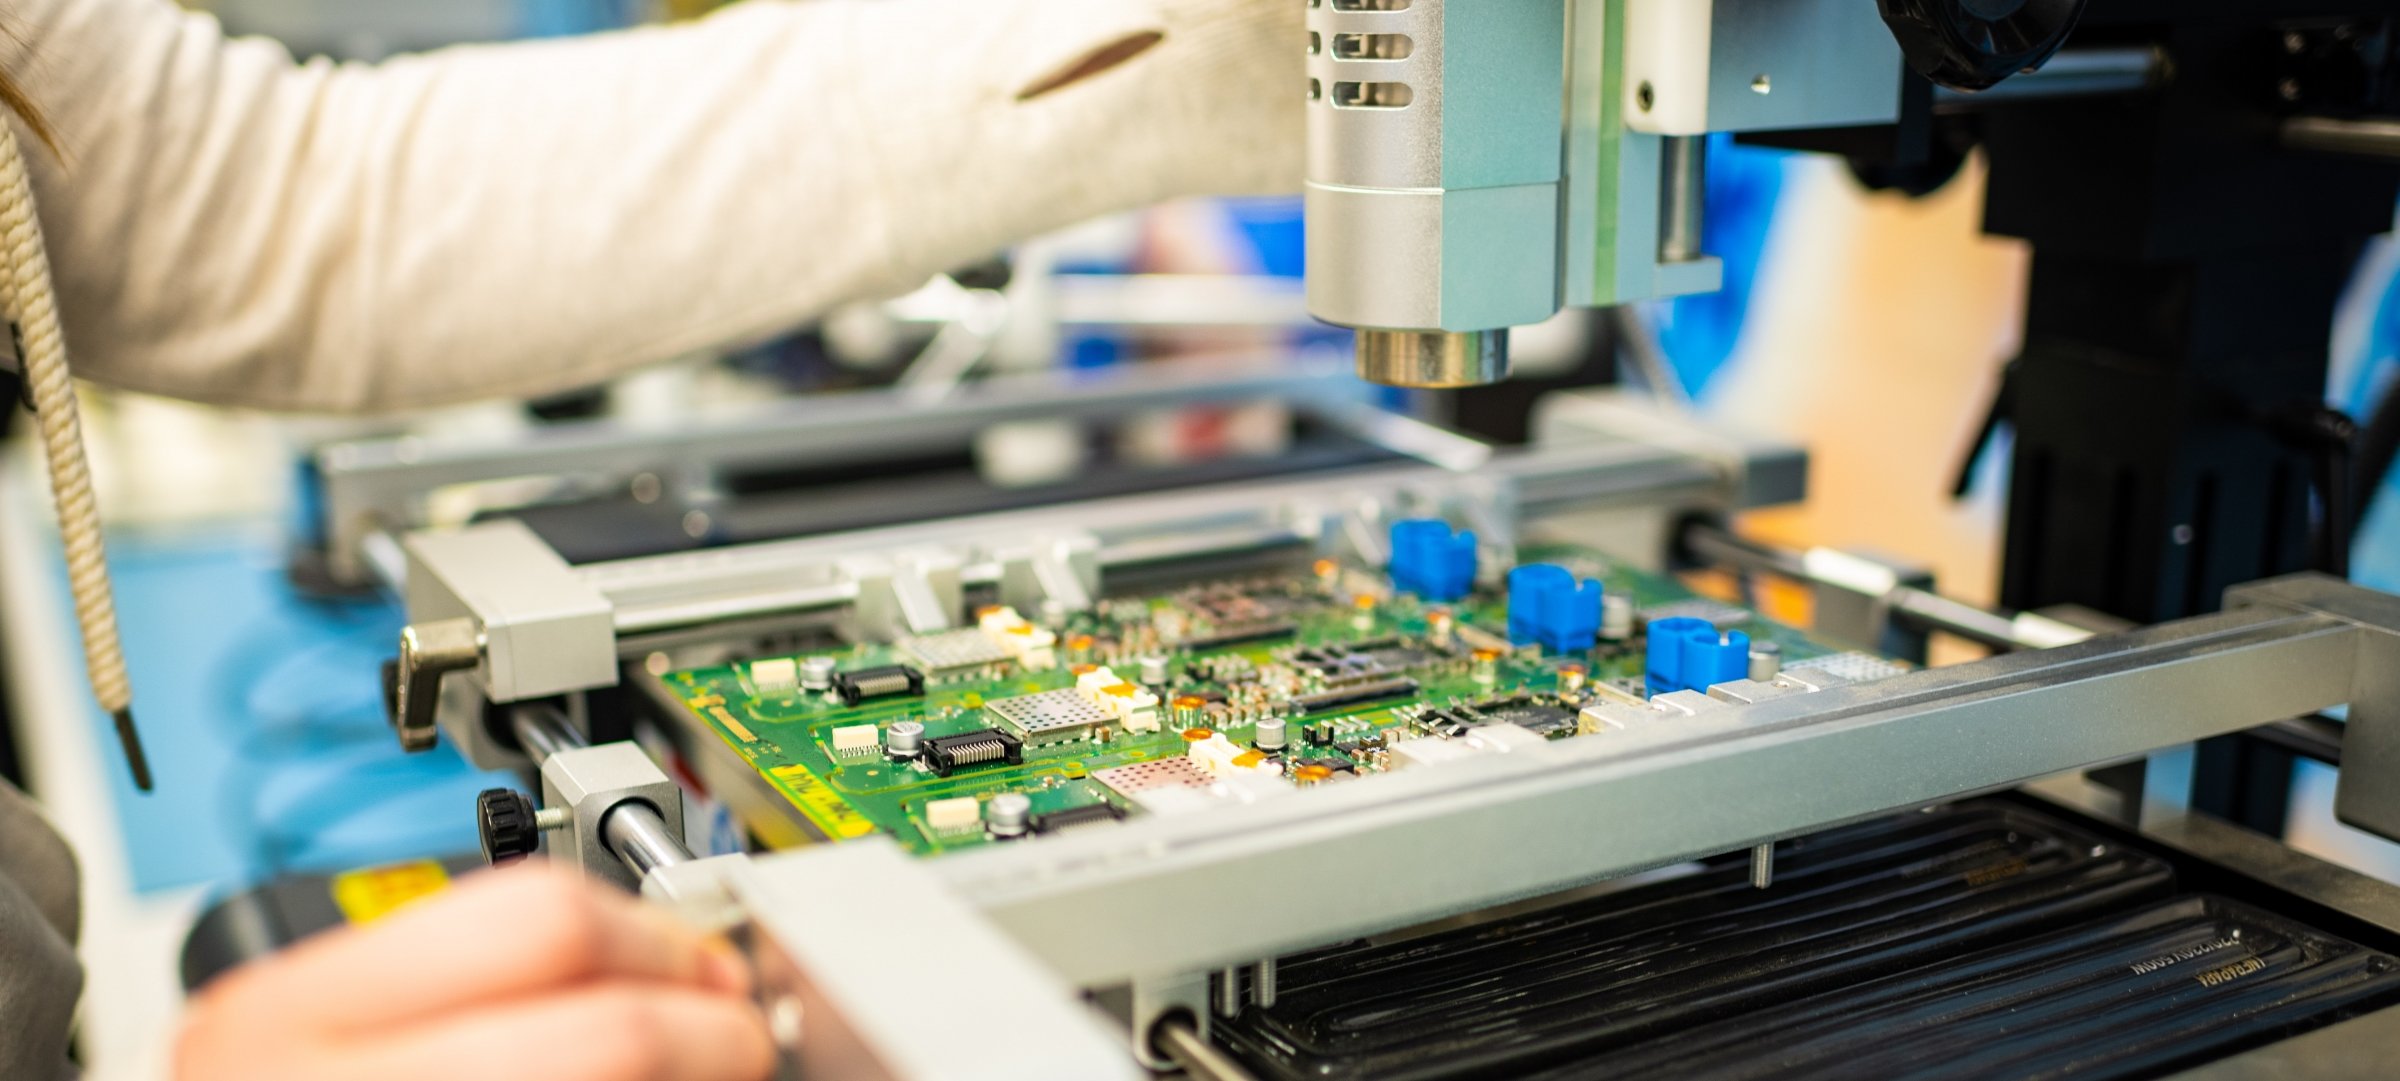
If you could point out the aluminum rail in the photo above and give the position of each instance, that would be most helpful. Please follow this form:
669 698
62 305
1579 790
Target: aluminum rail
1340 861
657 593
1918 609
378 486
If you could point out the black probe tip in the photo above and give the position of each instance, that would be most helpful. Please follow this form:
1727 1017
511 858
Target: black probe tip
131 740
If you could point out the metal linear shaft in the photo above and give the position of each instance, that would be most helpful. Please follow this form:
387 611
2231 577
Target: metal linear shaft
1192 1051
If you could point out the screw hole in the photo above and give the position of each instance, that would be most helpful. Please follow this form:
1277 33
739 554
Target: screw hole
1762 85
1645 97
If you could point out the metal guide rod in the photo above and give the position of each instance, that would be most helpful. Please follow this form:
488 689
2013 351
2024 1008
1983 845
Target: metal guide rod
1178 1040
1918 608
1683 197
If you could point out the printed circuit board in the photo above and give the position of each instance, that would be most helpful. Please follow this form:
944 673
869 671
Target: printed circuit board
1172 703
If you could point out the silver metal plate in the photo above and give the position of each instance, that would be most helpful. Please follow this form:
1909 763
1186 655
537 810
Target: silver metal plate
1148 776
1046 717
952 650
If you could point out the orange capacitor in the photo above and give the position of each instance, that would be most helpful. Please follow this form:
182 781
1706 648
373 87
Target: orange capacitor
1196 735
1312 774
1189 701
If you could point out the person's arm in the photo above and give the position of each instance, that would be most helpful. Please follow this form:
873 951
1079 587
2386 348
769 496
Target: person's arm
487 220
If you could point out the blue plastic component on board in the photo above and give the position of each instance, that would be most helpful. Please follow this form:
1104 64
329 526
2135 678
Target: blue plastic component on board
1690 655
1547 605
1432 561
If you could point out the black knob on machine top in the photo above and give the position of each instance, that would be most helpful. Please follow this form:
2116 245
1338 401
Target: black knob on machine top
1974 44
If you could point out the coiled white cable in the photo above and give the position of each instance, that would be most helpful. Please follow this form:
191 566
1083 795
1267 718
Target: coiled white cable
31 306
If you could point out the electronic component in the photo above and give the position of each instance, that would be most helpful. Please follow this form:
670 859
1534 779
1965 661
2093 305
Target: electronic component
1048 717
1154 670
1546 604
1218 757
854 739
775 676
816 673
982 746
1270 735
882 681
1766 659
1616 617
1354 694
1033 646
950 651
1690 654
951 815
1524 711
1431 560
1056 821
1127 703
1005 815
904 739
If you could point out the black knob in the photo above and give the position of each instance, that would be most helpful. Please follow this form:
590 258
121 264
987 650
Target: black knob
505 819
1973 44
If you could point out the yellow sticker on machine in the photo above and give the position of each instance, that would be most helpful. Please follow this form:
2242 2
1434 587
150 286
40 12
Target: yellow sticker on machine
823 806
370 895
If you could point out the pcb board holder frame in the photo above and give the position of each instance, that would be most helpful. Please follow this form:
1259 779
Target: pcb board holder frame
880 583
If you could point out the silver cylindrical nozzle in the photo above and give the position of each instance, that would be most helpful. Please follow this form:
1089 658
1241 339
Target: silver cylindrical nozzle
1432 359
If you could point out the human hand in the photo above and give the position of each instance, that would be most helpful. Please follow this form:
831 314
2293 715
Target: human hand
524 974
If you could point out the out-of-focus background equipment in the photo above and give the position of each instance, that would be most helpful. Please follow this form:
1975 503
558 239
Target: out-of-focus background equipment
1075 669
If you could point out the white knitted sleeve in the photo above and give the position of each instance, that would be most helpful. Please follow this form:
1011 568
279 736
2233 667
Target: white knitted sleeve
233 227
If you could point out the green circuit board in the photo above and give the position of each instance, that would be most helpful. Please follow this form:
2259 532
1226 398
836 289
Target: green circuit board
1350 668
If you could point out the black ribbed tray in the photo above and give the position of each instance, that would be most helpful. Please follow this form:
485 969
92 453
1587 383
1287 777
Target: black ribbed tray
1975 940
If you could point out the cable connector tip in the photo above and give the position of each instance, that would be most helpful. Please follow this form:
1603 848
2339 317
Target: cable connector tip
131 740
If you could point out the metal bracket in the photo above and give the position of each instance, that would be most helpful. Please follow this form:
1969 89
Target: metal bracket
1061 572
588 782
917 591
2367 793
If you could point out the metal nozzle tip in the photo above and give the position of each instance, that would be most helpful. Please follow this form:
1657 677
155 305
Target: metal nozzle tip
1433 359
131 741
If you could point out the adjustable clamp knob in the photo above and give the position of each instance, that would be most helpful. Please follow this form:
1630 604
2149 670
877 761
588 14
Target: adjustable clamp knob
1974 44
507 822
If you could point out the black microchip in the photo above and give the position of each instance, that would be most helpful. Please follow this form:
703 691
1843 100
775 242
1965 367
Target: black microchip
1537 716
883 681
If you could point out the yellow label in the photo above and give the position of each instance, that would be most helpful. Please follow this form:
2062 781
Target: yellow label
370 895
823 806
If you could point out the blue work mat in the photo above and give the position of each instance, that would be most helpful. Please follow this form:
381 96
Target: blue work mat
263 714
